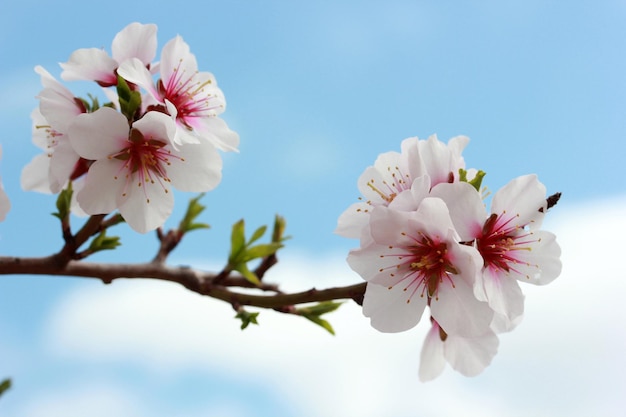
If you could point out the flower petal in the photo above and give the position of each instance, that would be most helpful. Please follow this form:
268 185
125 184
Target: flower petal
100 134
101 189
470 356
458 312
90 64
135 41
432 360
523 197
388 308
146 207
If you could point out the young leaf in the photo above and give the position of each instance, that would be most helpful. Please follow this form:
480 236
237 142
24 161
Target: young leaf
278 234
5 385
237 241
64 202
104 242
314 312
193 210
258 233
247 318
243 269
320 322
130 100
260 251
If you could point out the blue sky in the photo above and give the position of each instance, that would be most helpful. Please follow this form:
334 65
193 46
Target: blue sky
316 91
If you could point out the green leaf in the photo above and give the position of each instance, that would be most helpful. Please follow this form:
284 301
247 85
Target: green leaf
5 385
194 209
104 242
320 322
64 202
247 274
314 312
258 233
130 100
321 308
278 233
259 251
237 241
476 182
247 318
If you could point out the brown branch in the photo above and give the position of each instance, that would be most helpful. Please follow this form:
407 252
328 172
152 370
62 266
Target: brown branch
194 280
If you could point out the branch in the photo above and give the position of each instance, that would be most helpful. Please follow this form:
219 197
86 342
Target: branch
200 282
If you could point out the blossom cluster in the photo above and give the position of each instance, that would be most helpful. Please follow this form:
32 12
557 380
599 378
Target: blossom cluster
428 240
160 128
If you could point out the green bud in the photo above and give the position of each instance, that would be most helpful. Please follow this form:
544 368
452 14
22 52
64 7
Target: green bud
247 318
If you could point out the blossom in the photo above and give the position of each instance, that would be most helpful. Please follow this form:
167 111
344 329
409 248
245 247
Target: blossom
50 171
136 41
192 97
394 173
414 259
467 355
512 247
508 239
5 204
136 167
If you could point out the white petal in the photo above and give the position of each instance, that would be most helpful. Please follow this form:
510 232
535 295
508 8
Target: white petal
135 41
503 293
5 203
458 312
353 220
177 62
389 310
62 164
409 200
134 71
432 361
35 175
146 207
391 227
466 208
470 356
100 134
90 64
378 184
542 263
217 132
432 218
199 170
99 194
523 197
59 110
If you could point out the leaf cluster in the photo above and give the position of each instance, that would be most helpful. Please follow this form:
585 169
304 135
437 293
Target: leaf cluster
243 251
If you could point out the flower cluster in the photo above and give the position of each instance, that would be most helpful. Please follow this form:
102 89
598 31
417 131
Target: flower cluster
160 129
427 239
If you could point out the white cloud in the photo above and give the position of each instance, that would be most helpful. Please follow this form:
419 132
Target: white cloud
566 358
93 400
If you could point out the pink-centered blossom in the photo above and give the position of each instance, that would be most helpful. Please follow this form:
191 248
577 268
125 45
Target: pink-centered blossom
394 173
414 260
191 96
136 41
49 172
135 167
508 239
513 248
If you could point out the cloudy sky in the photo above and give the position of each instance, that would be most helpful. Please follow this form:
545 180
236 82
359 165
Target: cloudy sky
316 91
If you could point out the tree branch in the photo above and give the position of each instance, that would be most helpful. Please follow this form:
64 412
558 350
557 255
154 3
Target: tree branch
200 282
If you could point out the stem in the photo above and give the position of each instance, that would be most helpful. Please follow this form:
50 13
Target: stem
194 280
